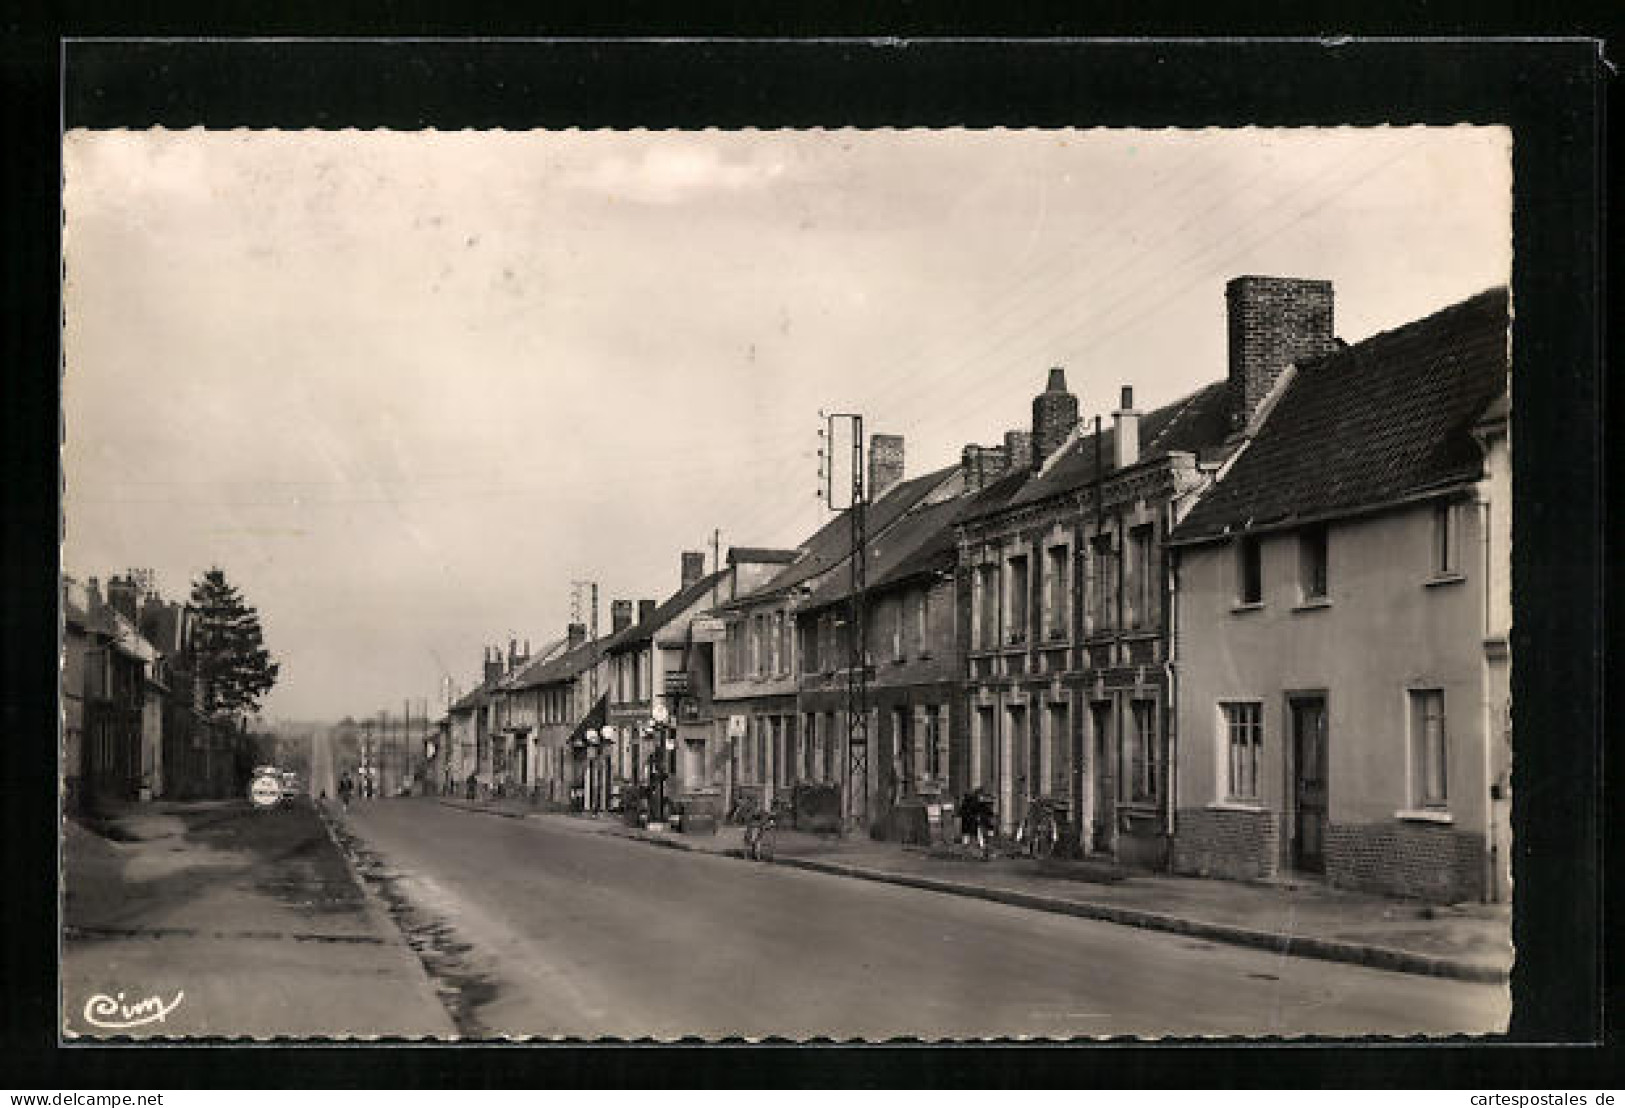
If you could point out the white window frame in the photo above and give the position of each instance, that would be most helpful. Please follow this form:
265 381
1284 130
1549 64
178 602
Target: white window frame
1419 793
1229 725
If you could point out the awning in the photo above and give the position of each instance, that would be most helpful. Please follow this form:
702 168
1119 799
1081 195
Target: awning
593 721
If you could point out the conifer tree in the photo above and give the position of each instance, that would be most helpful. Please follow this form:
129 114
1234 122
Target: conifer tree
231 660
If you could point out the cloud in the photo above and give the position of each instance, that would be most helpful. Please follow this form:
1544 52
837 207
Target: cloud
672 173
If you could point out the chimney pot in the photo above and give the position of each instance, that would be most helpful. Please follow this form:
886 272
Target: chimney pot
1126 432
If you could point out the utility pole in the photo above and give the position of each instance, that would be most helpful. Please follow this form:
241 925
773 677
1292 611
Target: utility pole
857 673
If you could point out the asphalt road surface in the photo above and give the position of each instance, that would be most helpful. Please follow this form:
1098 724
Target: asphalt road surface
550 931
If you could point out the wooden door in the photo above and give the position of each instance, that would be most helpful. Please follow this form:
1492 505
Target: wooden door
1309 784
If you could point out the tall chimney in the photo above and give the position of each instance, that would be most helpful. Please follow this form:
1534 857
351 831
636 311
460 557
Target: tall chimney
574 635
1018 450
885 464
693 567
646 610
1275 322
122 593
1125 432
620 615
1055 414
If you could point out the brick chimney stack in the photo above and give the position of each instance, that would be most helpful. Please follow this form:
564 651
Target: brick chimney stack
982 465
885 464
1055 414
1275 322
493 663
620 615
1126 432
693 567
1018 450
574 635
122 596
646 610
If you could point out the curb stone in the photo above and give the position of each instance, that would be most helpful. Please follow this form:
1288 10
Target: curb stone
1302 946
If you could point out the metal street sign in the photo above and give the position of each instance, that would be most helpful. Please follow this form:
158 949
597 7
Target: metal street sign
677 683
265 791
708 629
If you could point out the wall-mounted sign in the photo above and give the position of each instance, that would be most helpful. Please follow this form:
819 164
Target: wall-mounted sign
709 629
736 727
659 712
677 683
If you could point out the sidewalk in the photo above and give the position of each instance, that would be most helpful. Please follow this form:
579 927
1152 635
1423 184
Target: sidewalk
1306 919
252 918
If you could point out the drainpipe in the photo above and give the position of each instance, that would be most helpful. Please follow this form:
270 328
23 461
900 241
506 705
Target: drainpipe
1170 671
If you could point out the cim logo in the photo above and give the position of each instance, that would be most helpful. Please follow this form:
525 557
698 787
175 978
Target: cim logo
265 791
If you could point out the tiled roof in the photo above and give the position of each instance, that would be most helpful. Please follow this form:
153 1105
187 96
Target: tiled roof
832 544
565 666
1377 422
669 610
923 541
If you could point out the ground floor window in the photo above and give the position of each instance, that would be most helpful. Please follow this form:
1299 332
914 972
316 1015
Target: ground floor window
986 747
1060 745
936 755
1244 744
1429 749
833 745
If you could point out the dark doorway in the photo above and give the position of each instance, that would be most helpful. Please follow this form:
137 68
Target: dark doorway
1105 742
1309 783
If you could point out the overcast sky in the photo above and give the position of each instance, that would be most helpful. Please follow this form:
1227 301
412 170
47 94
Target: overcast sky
404 388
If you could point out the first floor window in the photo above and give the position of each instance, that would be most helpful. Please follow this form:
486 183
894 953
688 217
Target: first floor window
1429 749
1249 570
1446 556
1244 729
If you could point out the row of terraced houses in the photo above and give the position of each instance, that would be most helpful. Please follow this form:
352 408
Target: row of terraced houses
1260 630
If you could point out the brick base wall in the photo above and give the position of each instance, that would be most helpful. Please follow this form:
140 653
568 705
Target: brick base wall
1215 842
1429 861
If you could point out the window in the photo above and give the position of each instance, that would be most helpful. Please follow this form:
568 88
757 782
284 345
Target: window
987 583
923 623
776 633
787 634
936 724
1143 577
1429 749
1312 562
1244 739
986 746
1446 556
811 630
1103 583
1055 613
1249 570
1060 745
1138 758
896 610
833 744
1018 598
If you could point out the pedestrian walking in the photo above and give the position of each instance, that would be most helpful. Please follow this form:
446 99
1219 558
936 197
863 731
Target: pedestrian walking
346 787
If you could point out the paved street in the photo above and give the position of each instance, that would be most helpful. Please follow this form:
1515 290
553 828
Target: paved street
543 929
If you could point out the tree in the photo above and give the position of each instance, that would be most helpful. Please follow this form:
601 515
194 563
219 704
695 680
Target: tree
232 664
